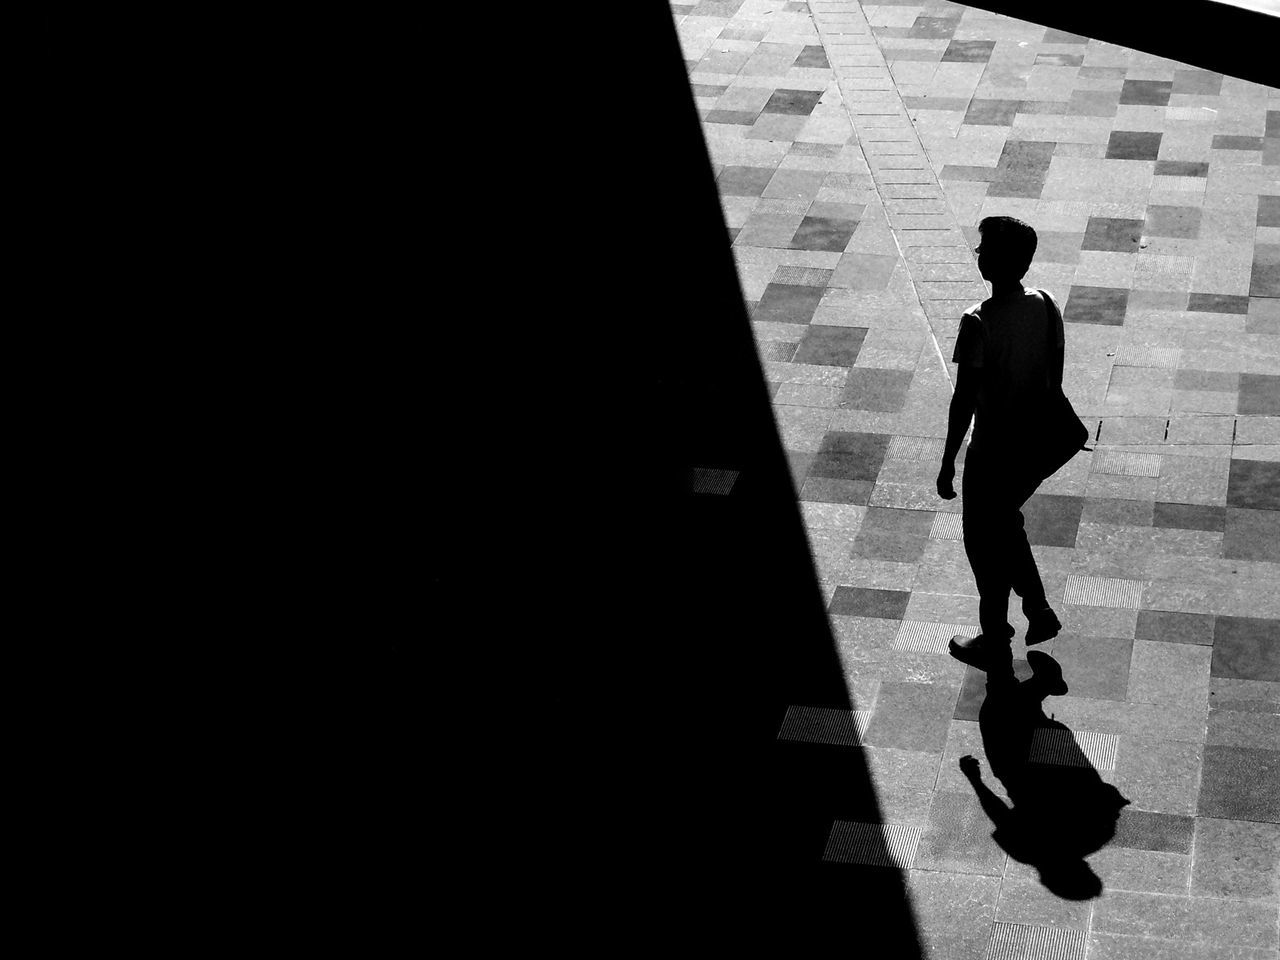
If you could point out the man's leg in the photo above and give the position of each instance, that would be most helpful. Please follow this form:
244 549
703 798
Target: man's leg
1024 575
984 544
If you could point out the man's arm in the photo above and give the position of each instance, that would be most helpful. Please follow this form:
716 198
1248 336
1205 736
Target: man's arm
960 414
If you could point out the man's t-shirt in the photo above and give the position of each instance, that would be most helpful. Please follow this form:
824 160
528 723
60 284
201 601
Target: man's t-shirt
1007 340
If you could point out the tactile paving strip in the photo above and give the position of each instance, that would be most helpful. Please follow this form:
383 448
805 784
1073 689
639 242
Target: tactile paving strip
919 636
804 276
947 526
1016 941
838 728
713 481
873 844
915 448
1073 748
1128 464
1164 358
1103 591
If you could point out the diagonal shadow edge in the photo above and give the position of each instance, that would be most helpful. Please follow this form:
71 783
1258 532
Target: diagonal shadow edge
752 629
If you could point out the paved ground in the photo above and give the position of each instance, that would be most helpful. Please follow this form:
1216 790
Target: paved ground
856 148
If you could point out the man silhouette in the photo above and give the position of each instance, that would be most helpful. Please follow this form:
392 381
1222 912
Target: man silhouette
1007 351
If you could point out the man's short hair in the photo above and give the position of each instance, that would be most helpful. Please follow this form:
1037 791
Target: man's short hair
1009 244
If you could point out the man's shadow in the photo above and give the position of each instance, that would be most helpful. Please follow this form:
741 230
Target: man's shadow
1061 810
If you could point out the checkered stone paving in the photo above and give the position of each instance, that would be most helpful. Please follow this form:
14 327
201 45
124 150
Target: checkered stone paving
856 148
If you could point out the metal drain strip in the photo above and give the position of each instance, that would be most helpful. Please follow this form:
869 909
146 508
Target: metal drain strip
713 481
1016 941
1103 592
873 844
1073 748
1162 358
915 448
838 728
1128 464
918 636
805 276
947 526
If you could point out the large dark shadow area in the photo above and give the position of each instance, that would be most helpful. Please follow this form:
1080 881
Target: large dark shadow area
1059 809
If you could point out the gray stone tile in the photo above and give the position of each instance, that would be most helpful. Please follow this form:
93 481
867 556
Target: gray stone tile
1112 234
1124 868
1159 775
1256 696
1052 520
1174 627
1135 513
998 113
740 181
827 490
959 839
1236 859
1245 648
1112 946
1268 211
1265 278
850 456
1240 783
1169 673
953 911
1094 667
1100 305
869 602
1146 92
1234 923
1133 145
1170 221
911 716
823 233
1028 902
864 271
787 303
1252 535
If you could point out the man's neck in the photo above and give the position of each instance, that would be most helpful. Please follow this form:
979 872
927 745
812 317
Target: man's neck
1002 290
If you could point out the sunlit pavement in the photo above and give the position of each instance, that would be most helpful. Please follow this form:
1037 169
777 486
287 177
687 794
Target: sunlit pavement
856 148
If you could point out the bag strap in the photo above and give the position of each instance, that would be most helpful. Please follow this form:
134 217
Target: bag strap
1057 355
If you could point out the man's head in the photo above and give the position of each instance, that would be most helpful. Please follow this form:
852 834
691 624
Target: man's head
1006 249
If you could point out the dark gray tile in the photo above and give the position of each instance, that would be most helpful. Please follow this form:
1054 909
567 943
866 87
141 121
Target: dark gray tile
826 490
1146 92
1159 832
911 716
1260 394
850 456
1175 627
1026 187
799 462
992 113
788 303
968 51
1112 234
738 181
1217 303
1189 516
1132 145
813 56
823 233
883 391
1240 783
1252 535
1253 483
1060 59
1243 728
1169 221
743 118
1053 520
1273 124
1264 281
910 523
1096 668
1102 305
896 547
1181 168
869 602
1093 103
1269 211
973 691
1246 648
830 346
708 89
794 102
1224 141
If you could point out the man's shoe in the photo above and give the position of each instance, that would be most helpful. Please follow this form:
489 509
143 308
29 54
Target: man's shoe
980 651
1043 626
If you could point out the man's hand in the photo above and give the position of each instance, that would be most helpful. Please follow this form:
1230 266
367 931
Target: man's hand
946 481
